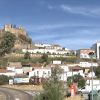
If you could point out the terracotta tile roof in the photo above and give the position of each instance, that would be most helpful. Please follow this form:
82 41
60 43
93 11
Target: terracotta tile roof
50 44
64 64
18 68
50 49
77 68
87 78
58 64
15 64
93 62
61 50
30 49
42 68
5 71
20 74
87 49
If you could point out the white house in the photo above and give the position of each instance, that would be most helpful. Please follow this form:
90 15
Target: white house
75 70
72 69
86 64
50 46
68 70
51 51
7 72
41 72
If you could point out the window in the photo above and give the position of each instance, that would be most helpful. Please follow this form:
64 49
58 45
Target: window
48 72
81 56
43 72
37 72
83 88
85 56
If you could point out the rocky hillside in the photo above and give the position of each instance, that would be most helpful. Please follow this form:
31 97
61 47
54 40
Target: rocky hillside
23 41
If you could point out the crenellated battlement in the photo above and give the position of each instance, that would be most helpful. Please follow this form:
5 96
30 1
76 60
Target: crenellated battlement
16 31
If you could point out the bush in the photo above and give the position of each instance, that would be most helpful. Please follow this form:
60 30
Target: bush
4 79
52 94
81 83
27 55
76 78
69 82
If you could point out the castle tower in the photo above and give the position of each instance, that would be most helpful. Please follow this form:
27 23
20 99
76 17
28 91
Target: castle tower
7 27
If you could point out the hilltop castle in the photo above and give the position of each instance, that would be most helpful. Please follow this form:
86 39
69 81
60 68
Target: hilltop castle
16 31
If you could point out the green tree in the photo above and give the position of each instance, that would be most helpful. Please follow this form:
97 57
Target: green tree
1 52
25 38
56 72
97 71
81 83
14 26
27 55
53 90
69 82
76 78
17 50
44 57
8 42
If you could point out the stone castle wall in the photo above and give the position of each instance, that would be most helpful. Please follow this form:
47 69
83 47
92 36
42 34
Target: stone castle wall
16 31
22 45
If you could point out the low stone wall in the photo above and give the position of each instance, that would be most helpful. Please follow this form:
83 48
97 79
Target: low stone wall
37 55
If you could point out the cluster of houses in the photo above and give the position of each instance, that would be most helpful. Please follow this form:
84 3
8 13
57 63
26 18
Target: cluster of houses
57 49
47 48
80 68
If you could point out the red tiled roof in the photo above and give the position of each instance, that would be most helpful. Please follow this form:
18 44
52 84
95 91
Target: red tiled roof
50 49
20 74
77 68
42 68
5 71
87 78
64 64
87 49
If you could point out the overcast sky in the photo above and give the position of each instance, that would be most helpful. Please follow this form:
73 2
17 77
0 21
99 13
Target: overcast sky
74 24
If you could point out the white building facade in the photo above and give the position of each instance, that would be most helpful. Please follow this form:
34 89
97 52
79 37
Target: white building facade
49 46
96 47
51 51
40 72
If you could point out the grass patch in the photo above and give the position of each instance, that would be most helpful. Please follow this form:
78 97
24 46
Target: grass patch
76 97
25 87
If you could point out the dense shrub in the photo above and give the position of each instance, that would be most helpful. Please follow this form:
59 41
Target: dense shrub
52 94
4 79
81 83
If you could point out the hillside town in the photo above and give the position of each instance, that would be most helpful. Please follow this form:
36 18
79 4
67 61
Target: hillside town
35 72
49 50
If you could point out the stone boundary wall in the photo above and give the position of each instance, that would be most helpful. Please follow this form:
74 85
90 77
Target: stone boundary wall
37 55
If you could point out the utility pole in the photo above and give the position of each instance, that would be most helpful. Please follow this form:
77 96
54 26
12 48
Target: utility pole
91 54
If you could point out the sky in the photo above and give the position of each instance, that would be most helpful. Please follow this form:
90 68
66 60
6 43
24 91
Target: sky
74 24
